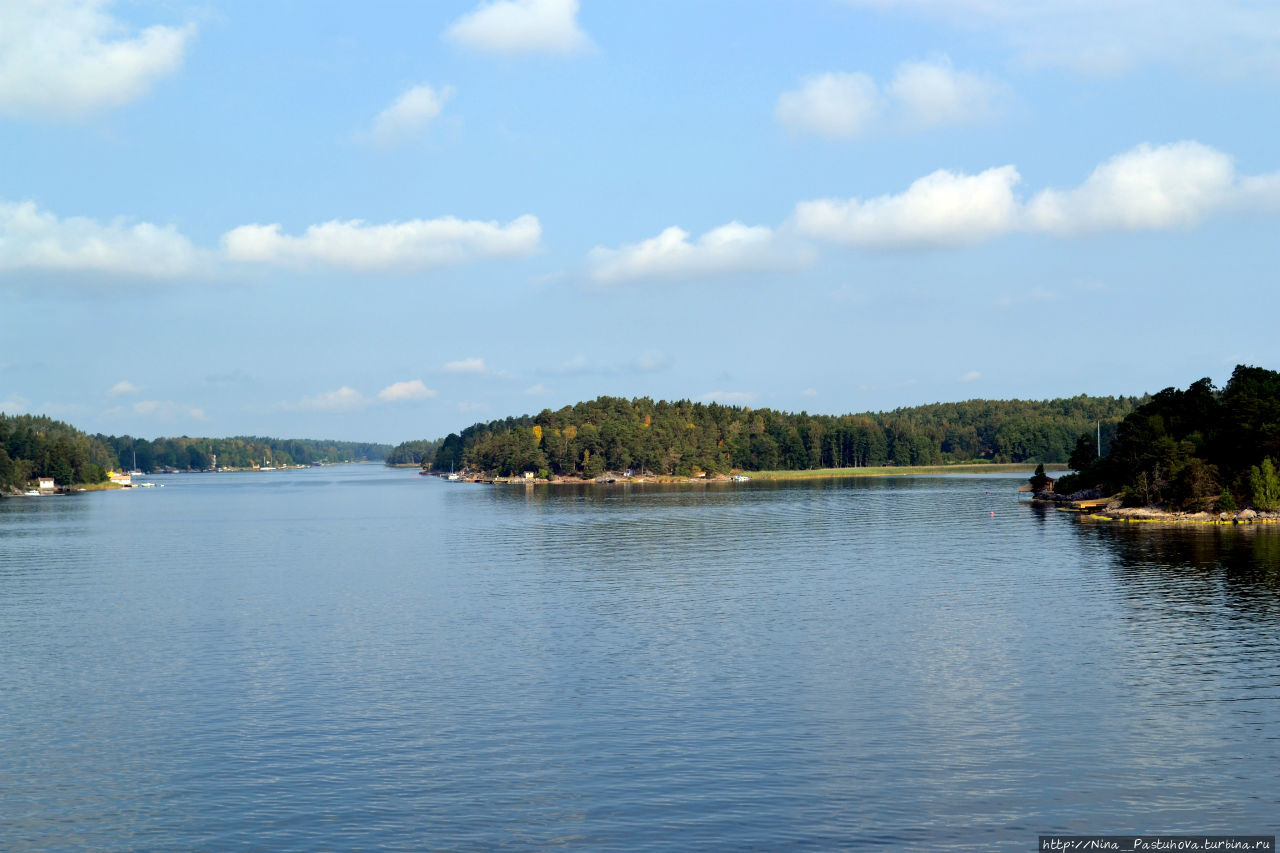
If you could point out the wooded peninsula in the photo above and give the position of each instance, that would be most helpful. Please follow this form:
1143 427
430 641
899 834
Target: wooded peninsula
1202 449
684 438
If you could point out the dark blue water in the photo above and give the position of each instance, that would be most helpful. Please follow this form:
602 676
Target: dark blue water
354 658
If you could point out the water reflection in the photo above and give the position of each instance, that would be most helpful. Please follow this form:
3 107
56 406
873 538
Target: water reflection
1240 562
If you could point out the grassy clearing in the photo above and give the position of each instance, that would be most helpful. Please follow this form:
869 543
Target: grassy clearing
890 471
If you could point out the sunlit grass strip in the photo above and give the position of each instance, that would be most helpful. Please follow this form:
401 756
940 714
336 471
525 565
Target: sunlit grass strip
892 470
1175 519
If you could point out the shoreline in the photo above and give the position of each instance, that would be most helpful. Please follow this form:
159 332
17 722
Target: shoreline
892 471
772 476
1150 515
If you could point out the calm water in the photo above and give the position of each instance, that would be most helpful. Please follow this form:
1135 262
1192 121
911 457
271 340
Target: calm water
356 658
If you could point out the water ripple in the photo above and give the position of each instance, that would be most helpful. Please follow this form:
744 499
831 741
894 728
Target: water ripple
357 658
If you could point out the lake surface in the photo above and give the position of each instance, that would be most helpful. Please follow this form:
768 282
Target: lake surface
353 658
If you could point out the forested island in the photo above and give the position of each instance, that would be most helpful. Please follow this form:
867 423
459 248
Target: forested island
684 438
1202 449
33 446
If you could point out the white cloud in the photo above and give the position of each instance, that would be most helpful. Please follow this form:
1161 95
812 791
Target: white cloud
1146 188
728 249
809 392
1260 192
835 105
32 239
465 365
167 410
536 390
123 387
522 26
842 105
935 93
14 405
342 400
971 376
60 59
941 209
398 392
732 398
357 245
410 113
1102 36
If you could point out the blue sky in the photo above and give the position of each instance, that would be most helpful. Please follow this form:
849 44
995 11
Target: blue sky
389 222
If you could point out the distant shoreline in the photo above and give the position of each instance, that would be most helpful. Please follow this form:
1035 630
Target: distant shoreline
806 474
890 470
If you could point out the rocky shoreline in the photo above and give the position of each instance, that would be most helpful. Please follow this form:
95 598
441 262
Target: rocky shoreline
1092 504
1152 515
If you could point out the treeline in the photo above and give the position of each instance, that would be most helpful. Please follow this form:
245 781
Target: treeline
34 446
414 452
1198 449
197 454
684 438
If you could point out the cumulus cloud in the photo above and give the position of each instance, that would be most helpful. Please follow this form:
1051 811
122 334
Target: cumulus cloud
521 27
935 93
836 105
1146 188
941 209
841 105
410 113
344 399
401 392
465 365
732 248
123 387
34 240
60 59
361 246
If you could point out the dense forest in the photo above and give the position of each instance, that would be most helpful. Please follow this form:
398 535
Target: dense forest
414 452
197 454
1198 449
36 446
684 438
